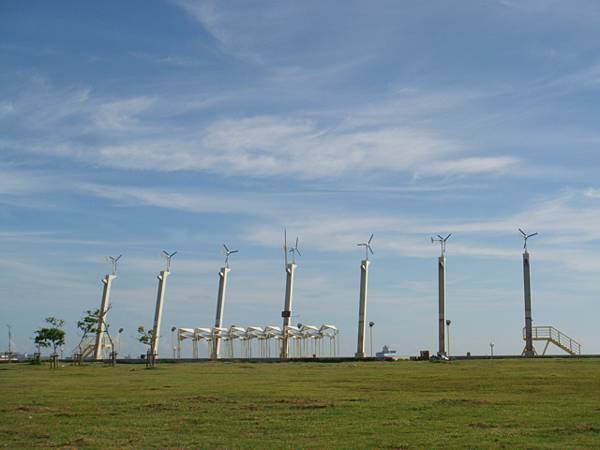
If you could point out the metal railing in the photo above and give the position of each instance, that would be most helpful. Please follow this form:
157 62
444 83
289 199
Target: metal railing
547 333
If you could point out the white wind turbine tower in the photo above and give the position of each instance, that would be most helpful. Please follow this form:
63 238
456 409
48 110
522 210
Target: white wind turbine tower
441 293
101 333
286 314
160 297
362 307
529 350
221 302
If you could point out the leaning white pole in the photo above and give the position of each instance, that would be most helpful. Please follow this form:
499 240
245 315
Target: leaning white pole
529 350
442 305
160 297
216 347
287 311
362 308
98 347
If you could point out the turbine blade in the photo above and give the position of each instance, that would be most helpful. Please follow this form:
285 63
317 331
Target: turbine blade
233 251
298 251
531 235
448 237
522 232
225 247
172 254
370 249
440 237
118 258
165 253
370 239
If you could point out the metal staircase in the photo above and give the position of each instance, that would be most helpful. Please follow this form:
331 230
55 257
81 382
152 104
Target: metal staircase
86 347
552 335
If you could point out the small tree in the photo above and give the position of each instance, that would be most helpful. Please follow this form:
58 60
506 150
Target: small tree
88 325
145 337
51 336
91 324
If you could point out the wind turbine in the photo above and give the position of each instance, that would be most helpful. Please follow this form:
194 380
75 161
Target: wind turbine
290 269
363 296
167 256
104 307
367 246
216 342
294 250
227 253
529 350
525 237
160 297
114 262
442 241
441 294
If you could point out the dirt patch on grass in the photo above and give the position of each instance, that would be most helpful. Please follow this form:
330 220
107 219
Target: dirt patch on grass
304 403
483 425
461 402
578 428
30 408
78 442
206 399
162 406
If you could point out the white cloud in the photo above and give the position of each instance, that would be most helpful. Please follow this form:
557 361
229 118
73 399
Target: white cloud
121 114
190 201
473 165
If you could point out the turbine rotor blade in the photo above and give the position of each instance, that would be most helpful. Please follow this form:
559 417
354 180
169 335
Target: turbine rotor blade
370 239
531 235
522 232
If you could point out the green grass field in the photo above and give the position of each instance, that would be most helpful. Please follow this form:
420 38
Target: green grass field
466 404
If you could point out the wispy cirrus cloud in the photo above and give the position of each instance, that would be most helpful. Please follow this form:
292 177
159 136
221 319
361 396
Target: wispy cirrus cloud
133 133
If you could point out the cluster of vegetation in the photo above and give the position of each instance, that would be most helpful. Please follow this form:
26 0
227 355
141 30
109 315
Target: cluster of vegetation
53 336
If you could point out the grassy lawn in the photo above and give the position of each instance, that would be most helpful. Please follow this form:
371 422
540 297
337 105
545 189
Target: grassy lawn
466 404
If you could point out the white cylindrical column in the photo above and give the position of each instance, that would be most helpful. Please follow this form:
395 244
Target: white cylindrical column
362 308
442 305
529 349
216 347
286 314
160 297
99 346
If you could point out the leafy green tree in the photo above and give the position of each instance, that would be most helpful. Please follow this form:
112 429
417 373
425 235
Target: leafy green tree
145 337
90 324
51 336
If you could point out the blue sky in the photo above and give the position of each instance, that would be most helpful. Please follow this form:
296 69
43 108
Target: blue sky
129 127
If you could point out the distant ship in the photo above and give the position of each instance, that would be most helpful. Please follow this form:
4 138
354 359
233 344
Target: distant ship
386 352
